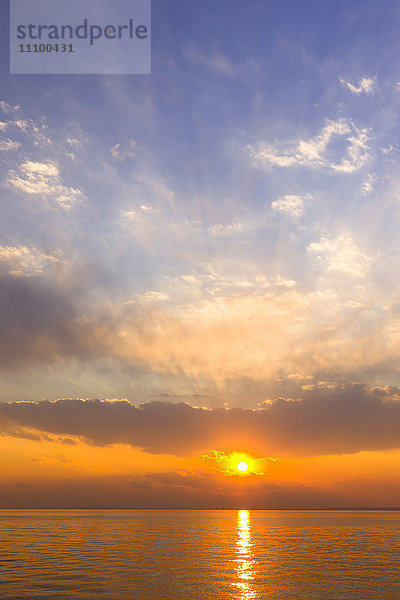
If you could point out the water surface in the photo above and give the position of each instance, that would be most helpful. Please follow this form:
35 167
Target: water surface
199 555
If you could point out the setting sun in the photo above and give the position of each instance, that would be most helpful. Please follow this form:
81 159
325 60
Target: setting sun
238 463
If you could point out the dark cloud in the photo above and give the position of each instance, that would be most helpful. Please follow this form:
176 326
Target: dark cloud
328 419
40 323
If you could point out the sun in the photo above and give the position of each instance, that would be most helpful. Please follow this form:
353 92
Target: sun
237 464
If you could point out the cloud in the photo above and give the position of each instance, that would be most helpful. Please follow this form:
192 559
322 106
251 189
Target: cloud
368 185
36 178
34 132
256 333
219 327
230 316
249 329
316 152
24 261
357 153
21 124
6 145
123 150
44 178
230 228
74 142
290 204
40 322
153 296
8 108
367 85
341 254
215 282
327 419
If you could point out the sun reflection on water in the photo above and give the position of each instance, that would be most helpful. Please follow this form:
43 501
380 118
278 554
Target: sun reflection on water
245 562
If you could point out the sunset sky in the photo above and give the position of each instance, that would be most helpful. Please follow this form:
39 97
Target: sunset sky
201 266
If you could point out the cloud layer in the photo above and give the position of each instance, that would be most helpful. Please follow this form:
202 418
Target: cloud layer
327 419
229 222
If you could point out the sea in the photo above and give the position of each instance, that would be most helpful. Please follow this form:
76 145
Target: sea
199 555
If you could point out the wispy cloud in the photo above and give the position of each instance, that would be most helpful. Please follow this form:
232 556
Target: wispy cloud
230 228
8 108
6 145
152 296
366 85
123 150
368 185
24 261
357 153
314 152
290 204
44 178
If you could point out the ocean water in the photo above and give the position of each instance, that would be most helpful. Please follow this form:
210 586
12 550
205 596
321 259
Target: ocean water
199 555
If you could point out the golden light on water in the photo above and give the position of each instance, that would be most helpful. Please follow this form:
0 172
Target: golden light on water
245 562
242 466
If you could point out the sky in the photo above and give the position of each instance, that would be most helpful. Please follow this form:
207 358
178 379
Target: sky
200 265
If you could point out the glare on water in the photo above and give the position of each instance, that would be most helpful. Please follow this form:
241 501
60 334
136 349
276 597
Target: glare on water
245 563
